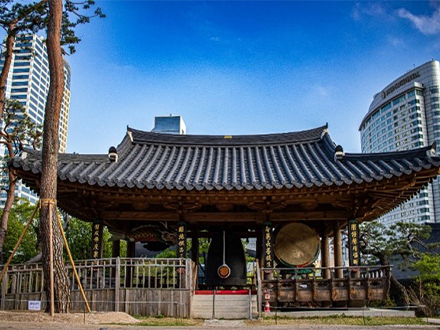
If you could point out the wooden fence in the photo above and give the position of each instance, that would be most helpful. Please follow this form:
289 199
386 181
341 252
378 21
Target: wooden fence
138 286
323 286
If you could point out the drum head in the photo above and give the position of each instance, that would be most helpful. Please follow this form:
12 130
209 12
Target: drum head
296 245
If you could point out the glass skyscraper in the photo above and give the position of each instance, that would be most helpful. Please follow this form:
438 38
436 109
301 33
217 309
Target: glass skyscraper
169 124
28 83
406 115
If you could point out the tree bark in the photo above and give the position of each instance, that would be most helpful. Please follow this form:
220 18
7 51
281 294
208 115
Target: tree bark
38 257
398 291
48 190
10 39
10 196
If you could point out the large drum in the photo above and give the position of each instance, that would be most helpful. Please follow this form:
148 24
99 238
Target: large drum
296 245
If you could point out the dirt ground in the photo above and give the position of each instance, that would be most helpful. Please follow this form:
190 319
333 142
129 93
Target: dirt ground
71 318
122 321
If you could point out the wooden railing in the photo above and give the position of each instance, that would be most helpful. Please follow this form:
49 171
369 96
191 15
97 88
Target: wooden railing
120 284
298 286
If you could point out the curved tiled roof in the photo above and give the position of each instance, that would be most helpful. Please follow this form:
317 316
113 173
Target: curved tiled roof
301 159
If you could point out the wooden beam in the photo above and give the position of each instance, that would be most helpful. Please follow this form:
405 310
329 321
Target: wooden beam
224 216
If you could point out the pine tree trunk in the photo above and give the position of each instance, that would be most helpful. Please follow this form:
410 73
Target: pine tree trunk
6 67
10 196
48 190
397 291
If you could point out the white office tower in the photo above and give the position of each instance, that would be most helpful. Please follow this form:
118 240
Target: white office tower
406 115
28 83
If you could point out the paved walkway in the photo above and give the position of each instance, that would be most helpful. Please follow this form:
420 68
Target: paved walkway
61 326
224 323
370 312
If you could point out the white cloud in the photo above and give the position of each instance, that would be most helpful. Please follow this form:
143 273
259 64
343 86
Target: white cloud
369 9
322 91
425 24
396 42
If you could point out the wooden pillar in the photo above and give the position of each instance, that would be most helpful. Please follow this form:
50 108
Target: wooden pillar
116 249
325 256
97 231
337 250
353 243
131 250
195 248
181 239
267 245
259 247
116 253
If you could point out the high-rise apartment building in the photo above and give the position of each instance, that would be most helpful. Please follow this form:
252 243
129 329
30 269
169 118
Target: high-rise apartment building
406 115
169 124
28 83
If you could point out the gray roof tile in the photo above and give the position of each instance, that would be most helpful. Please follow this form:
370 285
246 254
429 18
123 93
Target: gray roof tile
165 161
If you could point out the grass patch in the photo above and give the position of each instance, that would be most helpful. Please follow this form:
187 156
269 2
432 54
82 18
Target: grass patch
162 321
340 320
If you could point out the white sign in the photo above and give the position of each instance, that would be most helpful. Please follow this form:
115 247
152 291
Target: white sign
267 296
34 305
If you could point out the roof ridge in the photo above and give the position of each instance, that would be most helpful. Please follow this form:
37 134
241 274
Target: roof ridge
421 152
310 135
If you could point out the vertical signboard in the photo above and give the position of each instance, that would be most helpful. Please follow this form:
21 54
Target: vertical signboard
96 239
181 240
267 244
353 239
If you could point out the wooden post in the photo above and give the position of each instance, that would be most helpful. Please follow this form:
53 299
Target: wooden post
117 282
116 249
5 268
259 247
337 250
195 248
4 289
51 274
181 247
131 249
72 263
325 256
353 243
181 239
267 245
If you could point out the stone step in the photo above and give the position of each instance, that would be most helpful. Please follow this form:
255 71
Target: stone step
222 304
224 296
226 306
223 307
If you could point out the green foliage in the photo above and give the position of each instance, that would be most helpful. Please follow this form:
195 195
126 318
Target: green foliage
167 253
404 239
428 282
18 130
78 234
19 216
429 270
32 17
79 237
203 250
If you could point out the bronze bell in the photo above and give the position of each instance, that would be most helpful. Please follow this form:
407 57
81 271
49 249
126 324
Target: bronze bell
232 256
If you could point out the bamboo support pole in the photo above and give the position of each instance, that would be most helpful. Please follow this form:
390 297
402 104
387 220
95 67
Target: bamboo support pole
73 263
19 241
51 275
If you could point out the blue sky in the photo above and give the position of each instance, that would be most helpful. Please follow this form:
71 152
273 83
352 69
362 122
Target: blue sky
242 67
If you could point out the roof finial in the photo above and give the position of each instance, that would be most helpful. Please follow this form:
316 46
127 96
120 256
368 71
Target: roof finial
339 153
113 154
432 151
